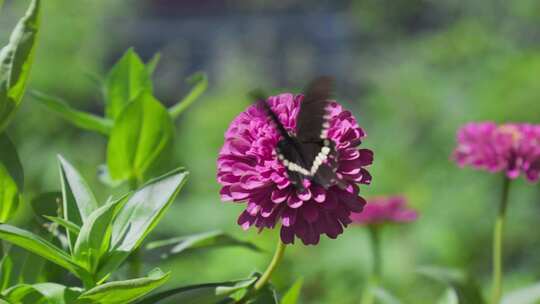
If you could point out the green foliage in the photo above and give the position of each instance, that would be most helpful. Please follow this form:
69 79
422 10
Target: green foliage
201 294
206 240
139 138
200 84
293 294
11 178
16 61
463 286
83 120
121 292
525 295
43 293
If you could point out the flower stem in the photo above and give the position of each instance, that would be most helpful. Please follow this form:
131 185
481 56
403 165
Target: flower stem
376 256
278 255
498 243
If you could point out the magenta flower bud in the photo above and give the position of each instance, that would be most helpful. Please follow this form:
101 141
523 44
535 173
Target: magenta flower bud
383 210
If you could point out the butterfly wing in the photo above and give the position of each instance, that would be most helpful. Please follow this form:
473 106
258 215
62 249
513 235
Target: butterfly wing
311 118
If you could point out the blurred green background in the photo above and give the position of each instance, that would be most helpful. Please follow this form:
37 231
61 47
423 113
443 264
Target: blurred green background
412 71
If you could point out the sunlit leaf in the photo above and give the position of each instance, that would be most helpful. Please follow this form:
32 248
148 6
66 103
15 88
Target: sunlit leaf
15 62
466 289
213 239
199 294
449 297
152 63
11 178
94 237
78 201
200 83
39 246
83 120
293 294
49 293
140 214
70 226
127 79
142 135
384 297
122 292
526 295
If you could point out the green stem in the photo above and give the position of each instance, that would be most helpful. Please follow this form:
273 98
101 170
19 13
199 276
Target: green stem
498 243
376 257
278 255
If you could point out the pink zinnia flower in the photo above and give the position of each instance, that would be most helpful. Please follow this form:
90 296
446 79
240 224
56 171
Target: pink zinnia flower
385 209
249 171
512 148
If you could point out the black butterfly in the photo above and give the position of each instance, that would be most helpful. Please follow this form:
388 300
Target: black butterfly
308 153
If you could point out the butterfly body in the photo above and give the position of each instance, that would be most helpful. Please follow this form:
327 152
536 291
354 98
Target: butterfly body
309 153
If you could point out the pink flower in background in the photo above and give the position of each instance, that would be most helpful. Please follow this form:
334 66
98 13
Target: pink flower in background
249 171
385 209
512 148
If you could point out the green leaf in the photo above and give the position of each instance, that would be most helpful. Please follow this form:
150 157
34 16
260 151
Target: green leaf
15 62
70 226
267 295
140 214
213 239
94 237
6 266
78 201
200 83
127 79
527 295
49 293
199 294
11 178
122 292
152 63
466 289
39 246
449 297
384 297
140 138
83 120
293 294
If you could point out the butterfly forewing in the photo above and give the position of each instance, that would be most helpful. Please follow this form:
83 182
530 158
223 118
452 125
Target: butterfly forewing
311 118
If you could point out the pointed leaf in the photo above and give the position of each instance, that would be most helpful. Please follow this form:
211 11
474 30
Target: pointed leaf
39 246
122 292
527 295
83 120
449 297
140 214
94 237
127 79
199 294
467 290
152 63
11 178
6 266
293 294
78 201
140 138
213 239
70 226
384 297
15 62
50 293
200 83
